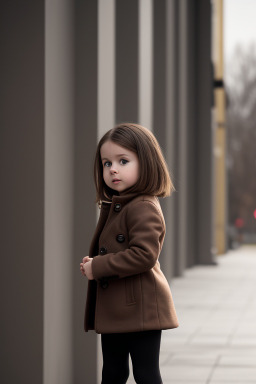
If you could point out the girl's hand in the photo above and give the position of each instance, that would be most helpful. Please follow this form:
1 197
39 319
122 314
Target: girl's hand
81 269
85 259
87 267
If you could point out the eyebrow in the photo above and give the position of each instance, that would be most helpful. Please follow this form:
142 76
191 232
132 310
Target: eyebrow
121 154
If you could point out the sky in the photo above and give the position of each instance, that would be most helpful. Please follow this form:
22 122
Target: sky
239 24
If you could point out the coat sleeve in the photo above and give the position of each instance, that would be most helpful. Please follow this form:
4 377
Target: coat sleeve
146 229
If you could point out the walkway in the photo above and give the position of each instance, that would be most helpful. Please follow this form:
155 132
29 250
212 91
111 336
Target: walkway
216 340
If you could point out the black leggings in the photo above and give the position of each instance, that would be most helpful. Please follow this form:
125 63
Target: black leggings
144 348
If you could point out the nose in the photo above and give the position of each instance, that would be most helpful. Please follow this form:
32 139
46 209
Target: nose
113 169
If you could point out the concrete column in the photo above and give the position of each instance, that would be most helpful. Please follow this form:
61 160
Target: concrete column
166 116
145 63
159 104
58 223
183 170
164 60
204 162
194 135
127 61
191 132
172 127
159 71
106 66
22 191
85 141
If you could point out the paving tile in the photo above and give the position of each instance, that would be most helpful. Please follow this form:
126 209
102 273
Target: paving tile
195 359
246 327
232 382
209 340
215 329
234 374
244 340
164 357
189 373
171 381
237 361
228 314
166 347
250 314
185 328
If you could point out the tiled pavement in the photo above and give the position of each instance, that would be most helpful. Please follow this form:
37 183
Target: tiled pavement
216 340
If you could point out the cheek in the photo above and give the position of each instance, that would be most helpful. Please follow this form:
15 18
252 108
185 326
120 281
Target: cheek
104 174
136 173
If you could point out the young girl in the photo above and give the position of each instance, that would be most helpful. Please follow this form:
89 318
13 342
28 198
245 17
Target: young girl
129 301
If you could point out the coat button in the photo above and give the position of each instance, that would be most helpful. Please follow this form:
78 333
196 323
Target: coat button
117 207
120 238
103 251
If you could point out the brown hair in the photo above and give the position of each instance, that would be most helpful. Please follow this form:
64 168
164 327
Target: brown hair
154 175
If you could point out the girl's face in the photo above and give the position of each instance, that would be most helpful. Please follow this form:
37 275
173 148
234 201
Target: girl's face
120 166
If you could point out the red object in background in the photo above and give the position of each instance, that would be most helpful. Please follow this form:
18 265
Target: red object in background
239 222
254 214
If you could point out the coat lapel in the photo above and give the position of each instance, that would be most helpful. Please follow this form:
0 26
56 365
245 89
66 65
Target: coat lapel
105 208
105 212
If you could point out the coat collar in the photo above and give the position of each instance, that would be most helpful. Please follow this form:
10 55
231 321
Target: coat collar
122 199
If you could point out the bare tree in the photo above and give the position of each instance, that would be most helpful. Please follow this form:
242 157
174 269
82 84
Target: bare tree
241 133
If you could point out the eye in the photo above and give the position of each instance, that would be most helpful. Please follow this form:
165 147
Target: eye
123 161
107 164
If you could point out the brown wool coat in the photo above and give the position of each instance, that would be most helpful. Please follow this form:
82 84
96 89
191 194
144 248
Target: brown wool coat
130 293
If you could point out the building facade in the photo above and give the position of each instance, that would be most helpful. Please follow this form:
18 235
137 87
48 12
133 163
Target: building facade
70 70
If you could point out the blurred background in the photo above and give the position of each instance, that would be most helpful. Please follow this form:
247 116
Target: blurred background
70 71
240 80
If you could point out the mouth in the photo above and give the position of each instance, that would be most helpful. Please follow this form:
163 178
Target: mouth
116 181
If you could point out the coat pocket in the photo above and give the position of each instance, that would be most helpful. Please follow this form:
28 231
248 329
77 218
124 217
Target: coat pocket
129 291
